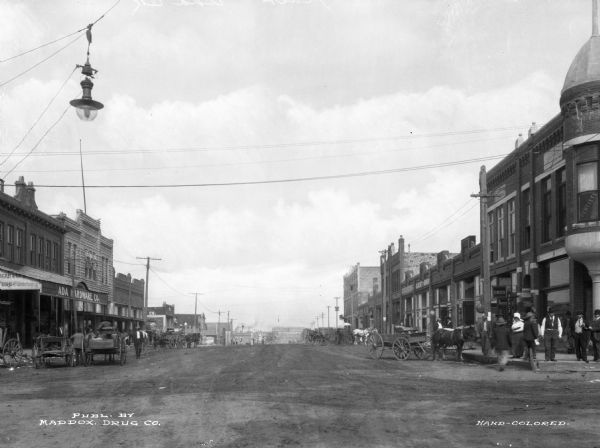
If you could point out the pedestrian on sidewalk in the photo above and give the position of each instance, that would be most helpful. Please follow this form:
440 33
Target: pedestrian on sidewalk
581 336
500 341
517 336
595 334
484 330
550 332
530 336
568 326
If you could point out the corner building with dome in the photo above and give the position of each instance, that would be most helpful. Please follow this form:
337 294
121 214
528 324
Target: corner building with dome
543 211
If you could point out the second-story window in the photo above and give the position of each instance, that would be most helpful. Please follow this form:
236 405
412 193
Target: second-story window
32 249
561 202
68 263
2 239
512 224
55 257
10 241
491 237
547 209
41 252
587 191
19 258
47 265
526 219
500 233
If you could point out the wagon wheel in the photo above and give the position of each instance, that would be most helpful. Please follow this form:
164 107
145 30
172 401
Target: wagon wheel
401 348
419 351
12 352
375 345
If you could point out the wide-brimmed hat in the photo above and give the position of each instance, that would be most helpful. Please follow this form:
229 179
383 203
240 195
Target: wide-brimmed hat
500 321
517 315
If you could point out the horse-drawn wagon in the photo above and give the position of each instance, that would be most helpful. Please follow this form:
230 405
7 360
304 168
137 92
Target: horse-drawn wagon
107 341
47 348
403 342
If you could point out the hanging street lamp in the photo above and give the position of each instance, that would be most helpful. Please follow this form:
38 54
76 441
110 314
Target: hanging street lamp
87 108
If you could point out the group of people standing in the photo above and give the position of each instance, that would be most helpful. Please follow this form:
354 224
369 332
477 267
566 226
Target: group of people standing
525 333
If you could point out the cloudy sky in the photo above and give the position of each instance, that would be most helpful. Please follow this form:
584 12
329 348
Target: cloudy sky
262 148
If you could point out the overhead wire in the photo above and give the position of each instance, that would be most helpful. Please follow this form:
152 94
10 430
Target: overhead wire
2 84
38 119
177 291
288 180
277 145
38 142
59 39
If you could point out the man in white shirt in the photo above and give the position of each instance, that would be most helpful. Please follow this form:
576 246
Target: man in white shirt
551 331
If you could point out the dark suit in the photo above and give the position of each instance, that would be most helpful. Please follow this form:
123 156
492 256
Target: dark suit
138 340
581 335
595 334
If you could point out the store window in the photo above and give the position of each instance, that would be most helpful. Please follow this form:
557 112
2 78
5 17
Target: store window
40 253
555 280
587 191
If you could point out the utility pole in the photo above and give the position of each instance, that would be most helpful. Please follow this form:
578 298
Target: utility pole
145 313
322 319
337 310
218 325
485 244
196 312
328 315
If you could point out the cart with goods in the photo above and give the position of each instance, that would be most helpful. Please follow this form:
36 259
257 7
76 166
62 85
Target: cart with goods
48 348
107 341
11 349
404 342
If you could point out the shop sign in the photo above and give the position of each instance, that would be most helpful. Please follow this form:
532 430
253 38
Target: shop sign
75 293
12 282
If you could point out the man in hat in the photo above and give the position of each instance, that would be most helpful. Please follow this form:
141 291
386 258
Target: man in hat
484 331
581 336
595 326
530 336
551 332
500 341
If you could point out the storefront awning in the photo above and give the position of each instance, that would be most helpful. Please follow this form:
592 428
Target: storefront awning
12 282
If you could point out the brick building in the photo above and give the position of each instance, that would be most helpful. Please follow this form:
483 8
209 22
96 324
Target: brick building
88 261
128 302
359 283
32 283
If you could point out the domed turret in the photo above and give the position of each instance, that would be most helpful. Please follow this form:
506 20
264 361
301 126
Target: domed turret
580 95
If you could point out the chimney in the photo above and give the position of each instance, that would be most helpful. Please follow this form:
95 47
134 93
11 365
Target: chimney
30 196
532 129
401 245
20 192
393 248
519 141
1 185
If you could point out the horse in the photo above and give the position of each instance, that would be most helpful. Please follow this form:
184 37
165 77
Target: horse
361 334
448 337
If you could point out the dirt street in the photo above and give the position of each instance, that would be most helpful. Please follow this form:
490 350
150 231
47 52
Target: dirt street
294 395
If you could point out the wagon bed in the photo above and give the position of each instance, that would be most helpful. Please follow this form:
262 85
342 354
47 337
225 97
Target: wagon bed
46 348
404 342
